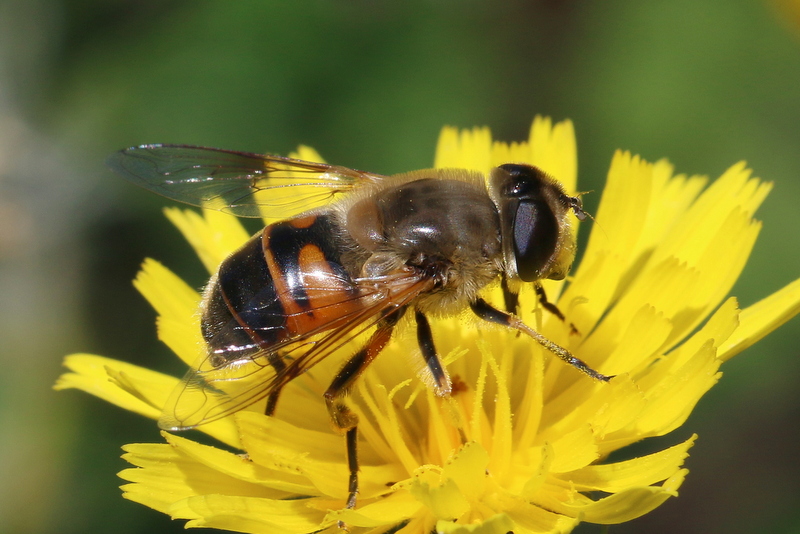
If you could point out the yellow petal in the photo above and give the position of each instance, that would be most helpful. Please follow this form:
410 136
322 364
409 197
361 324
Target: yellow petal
553 149
391 510
467 149
626 505
306 153
239 467
497 524
708 214
319 457
213 235
131 387
176 304
442 438
540 458
510 153
467 468
478 422
529 412
501 444
722 259
620 405
717 330
641 342
670 197
380 403
761 318
643 471
574 449
441 497
126 385
671 401
284 436
657 287
618 227
248 514
530 518
165 474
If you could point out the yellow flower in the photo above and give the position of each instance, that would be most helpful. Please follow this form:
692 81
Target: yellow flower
523 443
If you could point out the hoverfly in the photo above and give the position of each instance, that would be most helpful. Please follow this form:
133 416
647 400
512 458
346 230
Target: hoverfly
372 249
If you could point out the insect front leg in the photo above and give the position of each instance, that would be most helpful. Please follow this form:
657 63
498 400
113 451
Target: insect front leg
485 311
510 296
342 416
552 308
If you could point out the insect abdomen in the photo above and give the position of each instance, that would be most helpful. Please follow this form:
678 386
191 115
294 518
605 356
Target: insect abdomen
286 281
242 313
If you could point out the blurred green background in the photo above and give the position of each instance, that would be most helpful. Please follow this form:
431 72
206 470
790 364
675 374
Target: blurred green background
369 84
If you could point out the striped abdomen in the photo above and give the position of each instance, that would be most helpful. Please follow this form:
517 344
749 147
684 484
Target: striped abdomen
287 281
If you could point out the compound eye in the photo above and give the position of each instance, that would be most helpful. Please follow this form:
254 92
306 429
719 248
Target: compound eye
535 238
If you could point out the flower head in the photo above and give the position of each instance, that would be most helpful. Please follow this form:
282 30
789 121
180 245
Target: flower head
522 444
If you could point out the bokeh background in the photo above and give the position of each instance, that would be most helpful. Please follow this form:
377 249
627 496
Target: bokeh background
369 84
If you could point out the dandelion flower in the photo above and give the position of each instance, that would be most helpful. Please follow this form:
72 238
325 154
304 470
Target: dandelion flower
523 443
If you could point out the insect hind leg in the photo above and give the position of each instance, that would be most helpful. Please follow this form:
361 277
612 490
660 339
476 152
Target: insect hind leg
277 363
272 402
342 416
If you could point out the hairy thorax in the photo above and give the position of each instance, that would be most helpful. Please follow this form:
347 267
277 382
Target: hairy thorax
438 221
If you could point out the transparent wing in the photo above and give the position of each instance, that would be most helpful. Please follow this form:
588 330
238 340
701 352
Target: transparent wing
212 390
243 184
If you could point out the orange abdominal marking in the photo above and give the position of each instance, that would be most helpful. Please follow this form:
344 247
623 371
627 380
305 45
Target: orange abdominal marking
313 294
303 222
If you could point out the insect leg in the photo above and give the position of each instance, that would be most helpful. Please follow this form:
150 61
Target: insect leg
442 385
344 418
488 313
510 297
441 380
279 365
272 402
351 438
552 308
